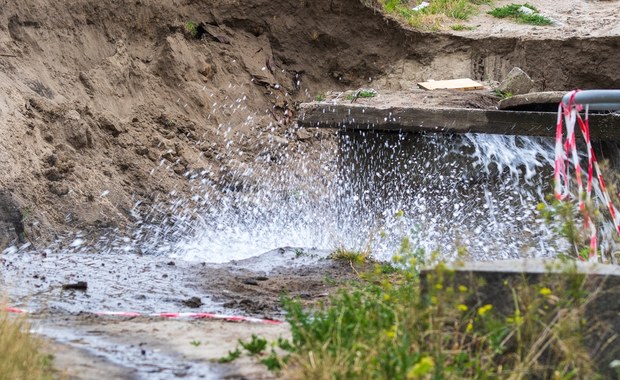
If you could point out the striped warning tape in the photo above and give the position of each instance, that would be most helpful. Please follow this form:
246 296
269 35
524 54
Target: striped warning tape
570 114
130 314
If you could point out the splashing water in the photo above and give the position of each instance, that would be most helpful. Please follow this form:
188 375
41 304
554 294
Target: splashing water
473 191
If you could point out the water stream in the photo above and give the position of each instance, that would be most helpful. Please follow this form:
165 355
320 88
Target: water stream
473 191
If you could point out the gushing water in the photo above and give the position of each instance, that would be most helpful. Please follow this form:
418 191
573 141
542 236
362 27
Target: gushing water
471 191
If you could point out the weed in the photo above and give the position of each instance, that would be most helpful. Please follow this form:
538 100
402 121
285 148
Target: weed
285 344
299 252
404 325
192 28
195 343
274 362
232 356
351 256
503 94
320 97
516 12
20 351
255 346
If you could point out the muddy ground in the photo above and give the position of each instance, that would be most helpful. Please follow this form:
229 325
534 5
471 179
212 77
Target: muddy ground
88 345
111 112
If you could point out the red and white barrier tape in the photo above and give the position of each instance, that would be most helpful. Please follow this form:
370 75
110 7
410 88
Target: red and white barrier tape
570 113
229 318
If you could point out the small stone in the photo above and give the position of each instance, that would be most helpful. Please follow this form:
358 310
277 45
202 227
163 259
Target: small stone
80 285
193 302
303 134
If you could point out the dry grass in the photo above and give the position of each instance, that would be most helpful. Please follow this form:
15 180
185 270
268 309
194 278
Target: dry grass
20 352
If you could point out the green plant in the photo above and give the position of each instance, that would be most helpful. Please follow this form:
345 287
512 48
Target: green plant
351 256
192 28
361 94
503 94
274 362
515 11
407 326
232 356
21 355
195 343
255 346
320 97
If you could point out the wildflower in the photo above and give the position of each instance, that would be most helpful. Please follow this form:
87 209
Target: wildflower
462 307
462 288
438 286
425 366
482 310
544 292
470 327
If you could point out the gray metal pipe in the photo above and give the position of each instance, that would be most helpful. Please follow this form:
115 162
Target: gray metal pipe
599 100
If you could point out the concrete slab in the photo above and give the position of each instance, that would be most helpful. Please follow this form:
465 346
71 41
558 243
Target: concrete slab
492 283
386 117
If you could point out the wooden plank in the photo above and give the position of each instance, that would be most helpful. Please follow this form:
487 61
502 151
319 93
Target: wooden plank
462 84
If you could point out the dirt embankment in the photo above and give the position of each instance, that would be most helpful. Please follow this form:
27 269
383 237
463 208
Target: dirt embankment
105 105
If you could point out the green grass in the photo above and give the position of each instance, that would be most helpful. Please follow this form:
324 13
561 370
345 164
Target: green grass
461 27
192 28
361 94
21 355
402 326
319 97
433 16
513 11
351 256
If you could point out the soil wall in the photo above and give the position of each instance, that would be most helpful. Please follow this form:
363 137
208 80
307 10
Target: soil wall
108 107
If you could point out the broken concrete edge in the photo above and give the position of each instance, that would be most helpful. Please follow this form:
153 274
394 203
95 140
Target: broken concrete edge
547 97
446 120
533 266
493 283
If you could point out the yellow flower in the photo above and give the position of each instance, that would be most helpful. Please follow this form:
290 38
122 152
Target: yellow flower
545 292
462 288
470 327
462 307
386 297
438 286
424 367
482 310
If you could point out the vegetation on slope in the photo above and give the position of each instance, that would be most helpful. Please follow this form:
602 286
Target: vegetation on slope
434 14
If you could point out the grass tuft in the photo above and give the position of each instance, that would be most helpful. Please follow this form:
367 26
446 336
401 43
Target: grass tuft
435 15
351 256
514 12
20 351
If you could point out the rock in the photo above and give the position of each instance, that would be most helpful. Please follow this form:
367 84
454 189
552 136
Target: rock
303 134
59 189
517 82
193 302
11 224
80 285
